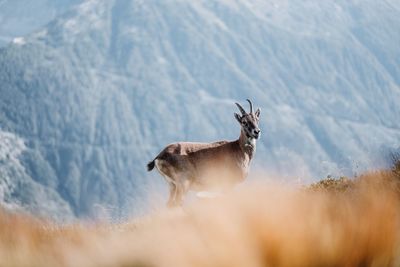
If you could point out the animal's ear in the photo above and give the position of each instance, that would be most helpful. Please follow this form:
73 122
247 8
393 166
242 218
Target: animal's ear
238 118
258 111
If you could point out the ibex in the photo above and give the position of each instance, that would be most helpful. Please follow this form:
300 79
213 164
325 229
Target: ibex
204 166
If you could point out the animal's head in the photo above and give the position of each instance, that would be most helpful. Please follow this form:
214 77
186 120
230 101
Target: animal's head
249 121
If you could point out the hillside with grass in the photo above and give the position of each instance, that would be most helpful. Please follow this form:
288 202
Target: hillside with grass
334 222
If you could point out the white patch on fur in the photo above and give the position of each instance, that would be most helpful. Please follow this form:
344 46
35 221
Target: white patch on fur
251 142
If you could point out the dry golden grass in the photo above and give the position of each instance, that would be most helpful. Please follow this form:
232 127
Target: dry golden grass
261 225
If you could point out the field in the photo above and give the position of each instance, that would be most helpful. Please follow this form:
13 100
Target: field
338 222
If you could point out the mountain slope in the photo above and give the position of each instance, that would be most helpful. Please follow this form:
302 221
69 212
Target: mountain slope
22 17
18 191
103 88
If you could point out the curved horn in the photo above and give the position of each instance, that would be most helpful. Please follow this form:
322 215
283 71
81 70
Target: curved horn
241 109
251 106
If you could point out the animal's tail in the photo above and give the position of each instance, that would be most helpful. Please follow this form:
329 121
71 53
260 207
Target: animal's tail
150 165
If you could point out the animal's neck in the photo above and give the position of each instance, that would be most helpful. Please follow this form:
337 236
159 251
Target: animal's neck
247 144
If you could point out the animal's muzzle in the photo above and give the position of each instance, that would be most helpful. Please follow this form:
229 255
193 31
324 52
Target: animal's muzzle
256 133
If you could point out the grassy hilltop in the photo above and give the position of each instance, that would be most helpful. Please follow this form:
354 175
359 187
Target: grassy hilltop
335 222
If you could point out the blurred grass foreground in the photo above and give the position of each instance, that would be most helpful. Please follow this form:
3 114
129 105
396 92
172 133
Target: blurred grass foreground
335 222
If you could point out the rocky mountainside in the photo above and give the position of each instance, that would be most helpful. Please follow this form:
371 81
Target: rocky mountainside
100 90
21 17
18 191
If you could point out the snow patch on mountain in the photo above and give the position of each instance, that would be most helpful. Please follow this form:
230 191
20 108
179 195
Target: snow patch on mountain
19 41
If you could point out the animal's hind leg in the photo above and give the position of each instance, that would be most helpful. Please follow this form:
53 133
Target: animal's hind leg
172 195
181 190
164 168
178 196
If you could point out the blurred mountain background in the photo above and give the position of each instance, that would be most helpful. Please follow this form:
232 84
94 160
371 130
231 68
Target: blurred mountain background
22 17
90 91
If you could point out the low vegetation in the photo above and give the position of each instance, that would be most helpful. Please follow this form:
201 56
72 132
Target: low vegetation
335 222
